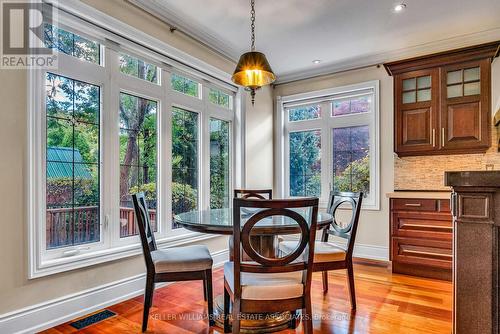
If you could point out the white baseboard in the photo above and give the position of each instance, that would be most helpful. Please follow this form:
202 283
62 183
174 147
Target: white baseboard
371 252
45 315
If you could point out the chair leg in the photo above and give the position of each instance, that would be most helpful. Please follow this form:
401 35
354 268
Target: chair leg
148 301
209 294
325 281
293 319
307 316
227 301
236 316
352 292
205 288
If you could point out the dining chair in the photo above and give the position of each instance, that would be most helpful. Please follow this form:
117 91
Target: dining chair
254 193
172 264
248 193
331 256
270 284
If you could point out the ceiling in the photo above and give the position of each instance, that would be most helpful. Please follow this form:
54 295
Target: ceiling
343 34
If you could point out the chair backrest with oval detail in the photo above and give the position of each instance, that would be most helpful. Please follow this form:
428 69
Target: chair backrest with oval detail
254 193
340 200
303 212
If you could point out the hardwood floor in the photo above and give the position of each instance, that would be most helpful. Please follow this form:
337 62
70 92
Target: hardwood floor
387 303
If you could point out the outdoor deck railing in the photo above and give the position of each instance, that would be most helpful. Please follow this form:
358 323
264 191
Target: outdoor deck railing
62 229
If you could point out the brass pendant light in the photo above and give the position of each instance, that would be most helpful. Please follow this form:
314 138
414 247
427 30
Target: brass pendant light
253 70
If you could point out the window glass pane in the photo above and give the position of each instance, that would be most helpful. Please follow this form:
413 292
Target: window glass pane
409 97
472 88
71 44
185 85
454 77
72 162
424 82
138 165
184 161
471 74
219 98
354 105
454 91
423 95
219 164
351 161
138 68
304 113
409 84
305 163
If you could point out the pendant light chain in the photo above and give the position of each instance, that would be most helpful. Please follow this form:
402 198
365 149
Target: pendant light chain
253 70
252 25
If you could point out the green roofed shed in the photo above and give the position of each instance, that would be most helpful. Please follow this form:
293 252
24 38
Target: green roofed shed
60 163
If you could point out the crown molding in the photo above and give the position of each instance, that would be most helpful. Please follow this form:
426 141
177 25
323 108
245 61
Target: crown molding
380 58
199 33
191 29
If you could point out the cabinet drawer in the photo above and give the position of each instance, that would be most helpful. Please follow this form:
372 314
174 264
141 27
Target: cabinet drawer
430 253
422 225
410 204
444 206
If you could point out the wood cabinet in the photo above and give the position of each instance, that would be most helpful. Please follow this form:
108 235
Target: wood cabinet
421 237
442 102
476 250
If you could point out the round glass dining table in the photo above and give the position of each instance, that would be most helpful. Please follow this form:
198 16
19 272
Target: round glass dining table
263 240
220 221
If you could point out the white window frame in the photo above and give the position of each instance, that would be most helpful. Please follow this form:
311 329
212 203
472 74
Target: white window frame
111 81
326 123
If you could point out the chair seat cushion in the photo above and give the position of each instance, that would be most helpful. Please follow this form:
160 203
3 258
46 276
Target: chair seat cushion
263 286
182 259
323 251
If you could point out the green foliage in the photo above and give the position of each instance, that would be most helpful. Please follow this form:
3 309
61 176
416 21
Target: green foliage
138 68
149 190
304 113
219 164
305 165
184 85
60 192
71 44
219 98
185 147
184 198
355 177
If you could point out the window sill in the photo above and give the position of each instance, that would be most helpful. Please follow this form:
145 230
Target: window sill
55 266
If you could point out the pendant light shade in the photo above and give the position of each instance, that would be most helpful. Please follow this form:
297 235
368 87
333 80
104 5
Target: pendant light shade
253 70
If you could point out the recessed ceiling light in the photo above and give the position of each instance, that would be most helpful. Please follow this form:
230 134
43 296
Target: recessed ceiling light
399 7
316 61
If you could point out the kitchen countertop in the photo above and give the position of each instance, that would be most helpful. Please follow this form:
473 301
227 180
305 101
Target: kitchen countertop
420 194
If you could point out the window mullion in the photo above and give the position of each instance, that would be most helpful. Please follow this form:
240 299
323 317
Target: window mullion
326 152
205 151
111 156
165 155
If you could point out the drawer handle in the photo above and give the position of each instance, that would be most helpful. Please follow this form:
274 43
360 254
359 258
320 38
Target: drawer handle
415 205
427 253
429 226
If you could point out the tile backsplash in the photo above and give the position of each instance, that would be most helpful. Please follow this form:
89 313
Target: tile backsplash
427 172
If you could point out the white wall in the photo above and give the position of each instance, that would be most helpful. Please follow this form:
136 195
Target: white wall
259 140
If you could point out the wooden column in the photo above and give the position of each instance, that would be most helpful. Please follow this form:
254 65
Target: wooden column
476 219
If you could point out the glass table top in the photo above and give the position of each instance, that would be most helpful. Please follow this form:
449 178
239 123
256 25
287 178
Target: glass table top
220 221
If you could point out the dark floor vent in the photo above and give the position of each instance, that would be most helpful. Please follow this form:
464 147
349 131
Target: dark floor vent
92 319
